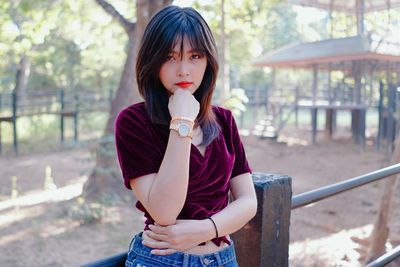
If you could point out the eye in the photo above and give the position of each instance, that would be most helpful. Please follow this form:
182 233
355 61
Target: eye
197 56
169 58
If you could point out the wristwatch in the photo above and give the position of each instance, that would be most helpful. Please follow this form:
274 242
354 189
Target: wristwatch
184 129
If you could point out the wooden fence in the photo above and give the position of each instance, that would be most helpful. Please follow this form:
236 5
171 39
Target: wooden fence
62 103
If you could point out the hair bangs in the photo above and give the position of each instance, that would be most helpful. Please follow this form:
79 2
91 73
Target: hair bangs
188 26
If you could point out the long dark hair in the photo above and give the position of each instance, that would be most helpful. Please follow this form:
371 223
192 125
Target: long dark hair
167 27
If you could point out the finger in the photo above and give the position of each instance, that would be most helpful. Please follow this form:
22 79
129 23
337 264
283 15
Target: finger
163 252
159 229
147 237
156 244
156 236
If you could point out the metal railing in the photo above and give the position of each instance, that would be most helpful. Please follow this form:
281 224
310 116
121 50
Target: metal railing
306 198
313 196
385 258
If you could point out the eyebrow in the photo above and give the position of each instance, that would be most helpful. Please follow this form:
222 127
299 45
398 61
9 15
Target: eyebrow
190 51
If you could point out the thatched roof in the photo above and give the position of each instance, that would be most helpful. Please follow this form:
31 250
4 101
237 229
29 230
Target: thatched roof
338 53
348 6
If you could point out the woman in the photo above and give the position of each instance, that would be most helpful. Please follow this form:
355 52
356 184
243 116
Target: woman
179 154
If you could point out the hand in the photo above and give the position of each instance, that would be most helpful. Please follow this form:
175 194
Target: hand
183 103
183 235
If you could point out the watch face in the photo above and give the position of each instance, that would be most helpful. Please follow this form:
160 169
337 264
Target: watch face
184 129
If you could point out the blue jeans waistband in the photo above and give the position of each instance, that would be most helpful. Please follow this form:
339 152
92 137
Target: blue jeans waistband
224 257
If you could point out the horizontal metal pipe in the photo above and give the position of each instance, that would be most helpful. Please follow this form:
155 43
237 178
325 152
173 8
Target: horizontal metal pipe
306 198
385 258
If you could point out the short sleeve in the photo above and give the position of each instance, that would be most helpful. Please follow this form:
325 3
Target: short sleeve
137 154
240 165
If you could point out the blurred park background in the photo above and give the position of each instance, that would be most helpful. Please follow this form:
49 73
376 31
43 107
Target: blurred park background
314 86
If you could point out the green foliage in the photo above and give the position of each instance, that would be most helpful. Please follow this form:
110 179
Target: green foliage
252 27
62 40
236 101
42 133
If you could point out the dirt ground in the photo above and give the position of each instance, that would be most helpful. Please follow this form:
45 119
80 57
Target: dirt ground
36 229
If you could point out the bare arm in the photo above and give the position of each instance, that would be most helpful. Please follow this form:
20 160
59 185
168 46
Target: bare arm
186 234
239 211
163 194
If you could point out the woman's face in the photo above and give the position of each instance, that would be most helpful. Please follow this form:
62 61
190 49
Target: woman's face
183 69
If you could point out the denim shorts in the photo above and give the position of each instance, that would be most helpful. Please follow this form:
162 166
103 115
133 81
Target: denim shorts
139 256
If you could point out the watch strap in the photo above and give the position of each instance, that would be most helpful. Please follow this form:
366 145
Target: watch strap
175 126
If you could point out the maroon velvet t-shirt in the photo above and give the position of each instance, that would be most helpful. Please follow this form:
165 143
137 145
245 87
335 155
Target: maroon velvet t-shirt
141 147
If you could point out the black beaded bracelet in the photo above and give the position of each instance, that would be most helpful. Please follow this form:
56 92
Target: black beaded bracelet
215 226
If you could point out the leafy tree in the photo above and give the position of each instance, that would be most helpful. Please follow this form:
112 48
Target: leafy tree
103 180
61 39
252 27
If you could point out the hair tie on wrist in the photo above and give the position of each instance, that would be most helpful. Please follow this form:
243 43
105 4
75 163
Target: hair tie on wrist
215 226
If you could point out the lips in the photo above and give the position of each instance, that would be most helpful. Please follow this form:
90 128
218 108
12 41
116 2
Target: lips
184 84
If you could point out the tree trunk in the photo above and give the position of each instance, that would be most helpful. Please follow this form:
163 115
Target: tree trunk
21 83
105 179
380 231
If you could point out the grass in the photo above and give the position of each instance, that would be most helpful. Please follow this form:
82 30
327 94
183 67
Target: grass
42 133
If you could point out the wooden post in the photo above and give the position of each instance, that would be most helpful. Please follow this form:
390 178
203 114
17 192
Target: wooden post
315 84
14 120
264 241
110 97
380 117
360 6
355 113
314 110
76 116
62 126
391 130
361 130
314 124
329 117
330 112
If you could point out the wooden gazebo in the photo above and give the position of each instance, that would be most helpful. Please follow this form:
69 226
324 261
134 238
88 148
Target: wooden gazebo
334 54
358 56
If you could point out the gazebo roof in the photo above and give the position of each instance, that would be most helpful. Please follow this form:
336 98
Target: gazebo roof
333 53
348 6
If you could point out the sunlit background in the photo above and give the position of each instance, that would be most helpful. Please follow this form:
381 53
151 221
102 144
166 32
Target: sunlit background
70 55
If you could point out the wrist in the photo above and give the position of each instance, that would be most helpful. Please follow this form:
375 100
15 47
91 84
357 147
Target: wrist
183 126
182 118
208 229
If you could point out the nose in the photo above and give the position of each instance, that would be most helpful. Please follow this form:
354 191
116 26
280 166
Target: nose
183 69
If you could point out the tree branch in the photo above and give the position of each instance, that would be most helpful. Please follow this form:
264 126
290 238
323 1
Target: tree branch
128 26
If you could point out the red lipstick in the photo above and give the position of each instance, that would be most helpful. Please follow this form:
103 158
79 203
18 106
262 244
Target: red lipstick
184 84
